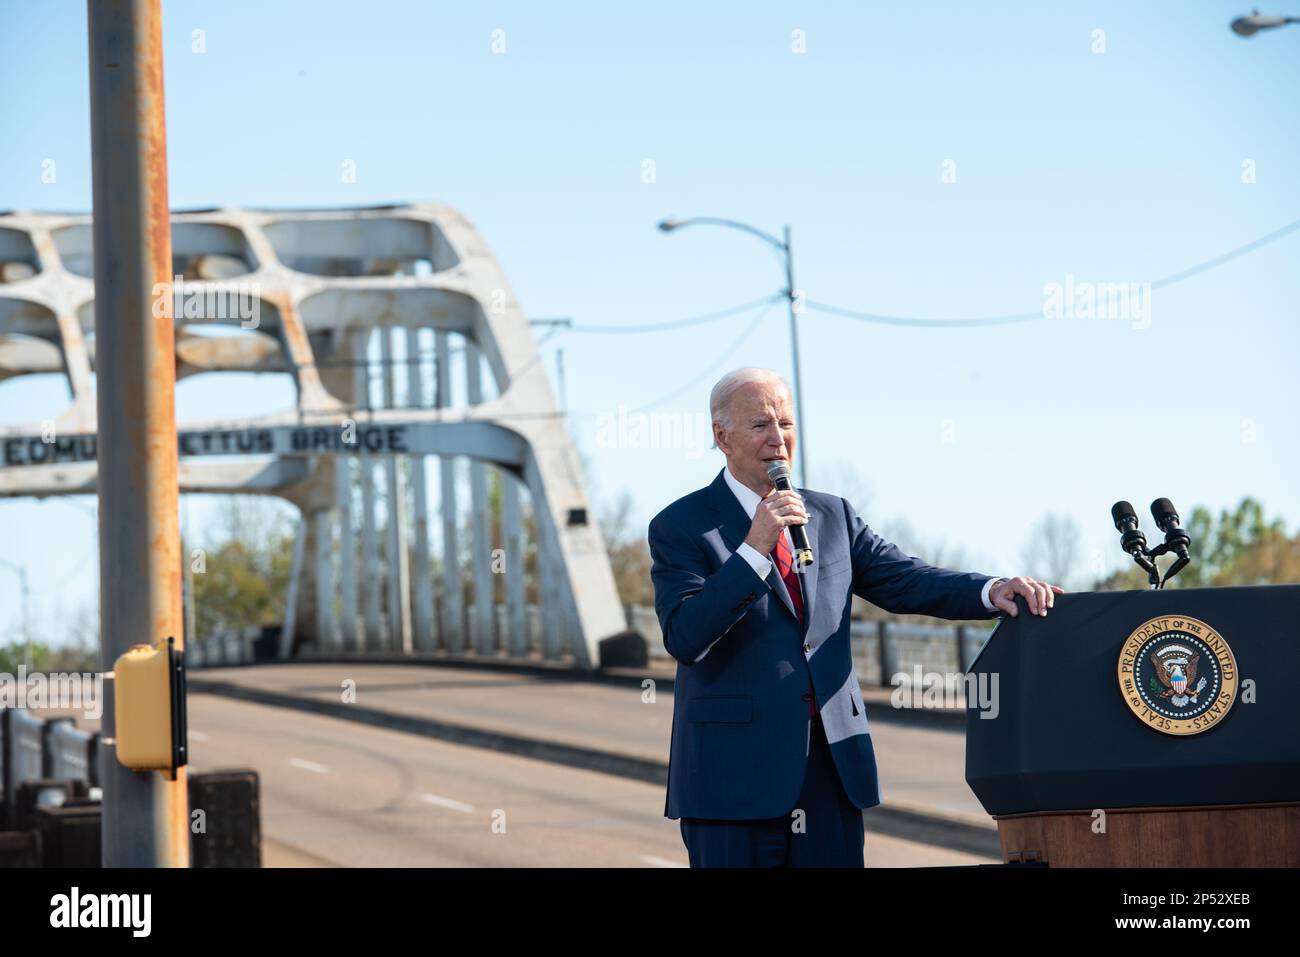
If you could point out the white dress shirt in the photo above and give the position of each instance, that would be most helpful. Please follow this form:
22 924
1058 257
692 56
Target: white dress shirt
749 500
762 564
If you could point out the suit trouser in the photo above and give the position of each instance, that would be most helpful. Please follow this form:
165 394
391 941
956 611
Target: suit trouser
829 833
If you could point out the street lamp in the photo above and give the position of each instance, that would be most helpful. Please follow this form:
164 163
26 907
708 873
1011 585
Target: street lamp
21 571
1249 26
783 246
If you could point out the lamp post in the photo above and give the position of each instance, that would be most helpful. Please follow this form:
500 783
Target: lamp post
1249 26
21 571
783 246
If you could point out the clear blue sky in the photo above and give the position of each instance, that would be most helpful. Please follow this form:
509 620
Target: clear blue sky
1122 166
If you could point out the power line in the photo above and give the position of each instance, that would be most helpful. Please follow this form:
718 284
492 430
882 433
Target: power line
1169 280
740 340
575 413
932 323
678 323
1226 257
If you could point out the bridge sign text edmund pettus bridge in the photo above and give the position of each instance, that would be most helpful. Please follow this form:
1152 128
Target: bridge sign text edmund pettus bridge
283 440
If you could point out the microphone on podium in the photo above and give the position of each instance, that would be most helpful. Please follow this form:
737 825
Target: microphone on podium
1126 522
778 473
1135 543
1176 540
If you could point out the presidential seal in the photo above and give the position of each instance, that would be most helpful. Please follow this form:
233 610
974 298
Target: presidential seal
1177 675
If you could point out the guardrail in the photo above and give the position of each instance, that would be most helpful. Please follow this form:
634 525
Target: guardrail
881 649
71 752
34 749
64 831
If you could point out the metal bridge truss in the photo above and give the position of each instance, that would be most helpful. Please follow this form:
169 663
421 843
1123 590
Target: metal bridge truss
411 361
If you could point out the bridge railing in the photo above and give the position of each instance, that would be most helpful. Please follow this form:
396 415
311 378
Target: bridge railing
881 649
33 748
70 752
237 647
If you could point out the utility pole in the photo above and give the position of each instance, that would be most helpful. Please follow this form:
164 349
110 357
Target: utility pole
794 353
556 325
146 816
783 247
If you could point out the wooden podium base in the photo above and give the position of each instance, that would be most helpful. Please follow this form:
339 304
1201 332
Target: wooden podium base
1230 835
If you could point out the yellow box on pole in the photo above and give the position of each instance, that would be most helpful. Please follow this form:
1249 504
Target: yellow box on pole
149 705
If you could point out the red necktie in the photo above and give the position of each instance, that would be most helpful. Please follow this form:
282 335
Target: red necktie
785 568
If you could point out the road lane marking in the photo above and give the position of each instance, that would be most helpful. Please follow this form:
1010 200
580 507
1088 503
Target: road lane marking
447 802
308 765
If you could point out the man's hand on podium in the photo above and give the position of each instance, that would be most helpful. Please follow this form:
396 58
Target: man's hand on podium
1039 596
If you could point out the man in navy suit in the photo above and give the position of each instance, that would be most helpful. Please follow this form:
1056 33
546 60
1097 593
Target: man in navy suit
771 761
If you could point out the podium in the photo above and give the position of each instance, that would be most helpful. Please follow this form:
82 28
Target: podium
1142 729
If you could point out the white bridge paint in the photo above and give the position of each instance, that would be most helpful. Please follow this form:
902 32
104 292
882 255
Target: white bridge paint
325 282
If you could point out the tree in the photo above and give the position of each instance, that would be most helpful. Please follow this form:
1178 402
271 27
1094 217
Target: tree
78 651
844 480
934 551
1052 549
629 552
244 581
1232 549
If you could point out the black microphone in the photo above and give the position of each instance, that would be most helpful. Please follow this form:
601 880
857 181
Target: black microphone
1126 522
1176 540
1163 511
778 473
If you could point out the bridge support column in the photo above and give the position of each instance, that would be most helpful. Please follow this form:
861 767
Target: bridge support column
422 572
453 617
348 627
516 637
481 516
289 630
373 639
326 622
399 574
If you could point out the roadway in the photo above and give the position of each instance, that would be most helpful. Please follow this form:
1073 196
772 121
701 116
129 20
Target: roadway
452 766
338 793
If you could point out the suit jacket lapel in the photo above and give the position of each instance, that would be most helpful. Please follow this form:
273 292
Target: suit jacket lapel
809 577
734 525
777 584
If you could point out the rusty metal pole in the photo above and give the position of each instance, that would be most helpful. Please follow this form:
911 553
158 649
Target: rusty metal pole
145 815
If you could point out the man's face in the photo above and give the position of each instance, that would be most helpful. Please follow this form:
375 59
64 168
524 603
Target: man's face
762 429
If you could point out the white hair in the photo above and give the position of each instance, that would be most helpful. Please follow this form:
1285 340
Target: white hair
731 383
